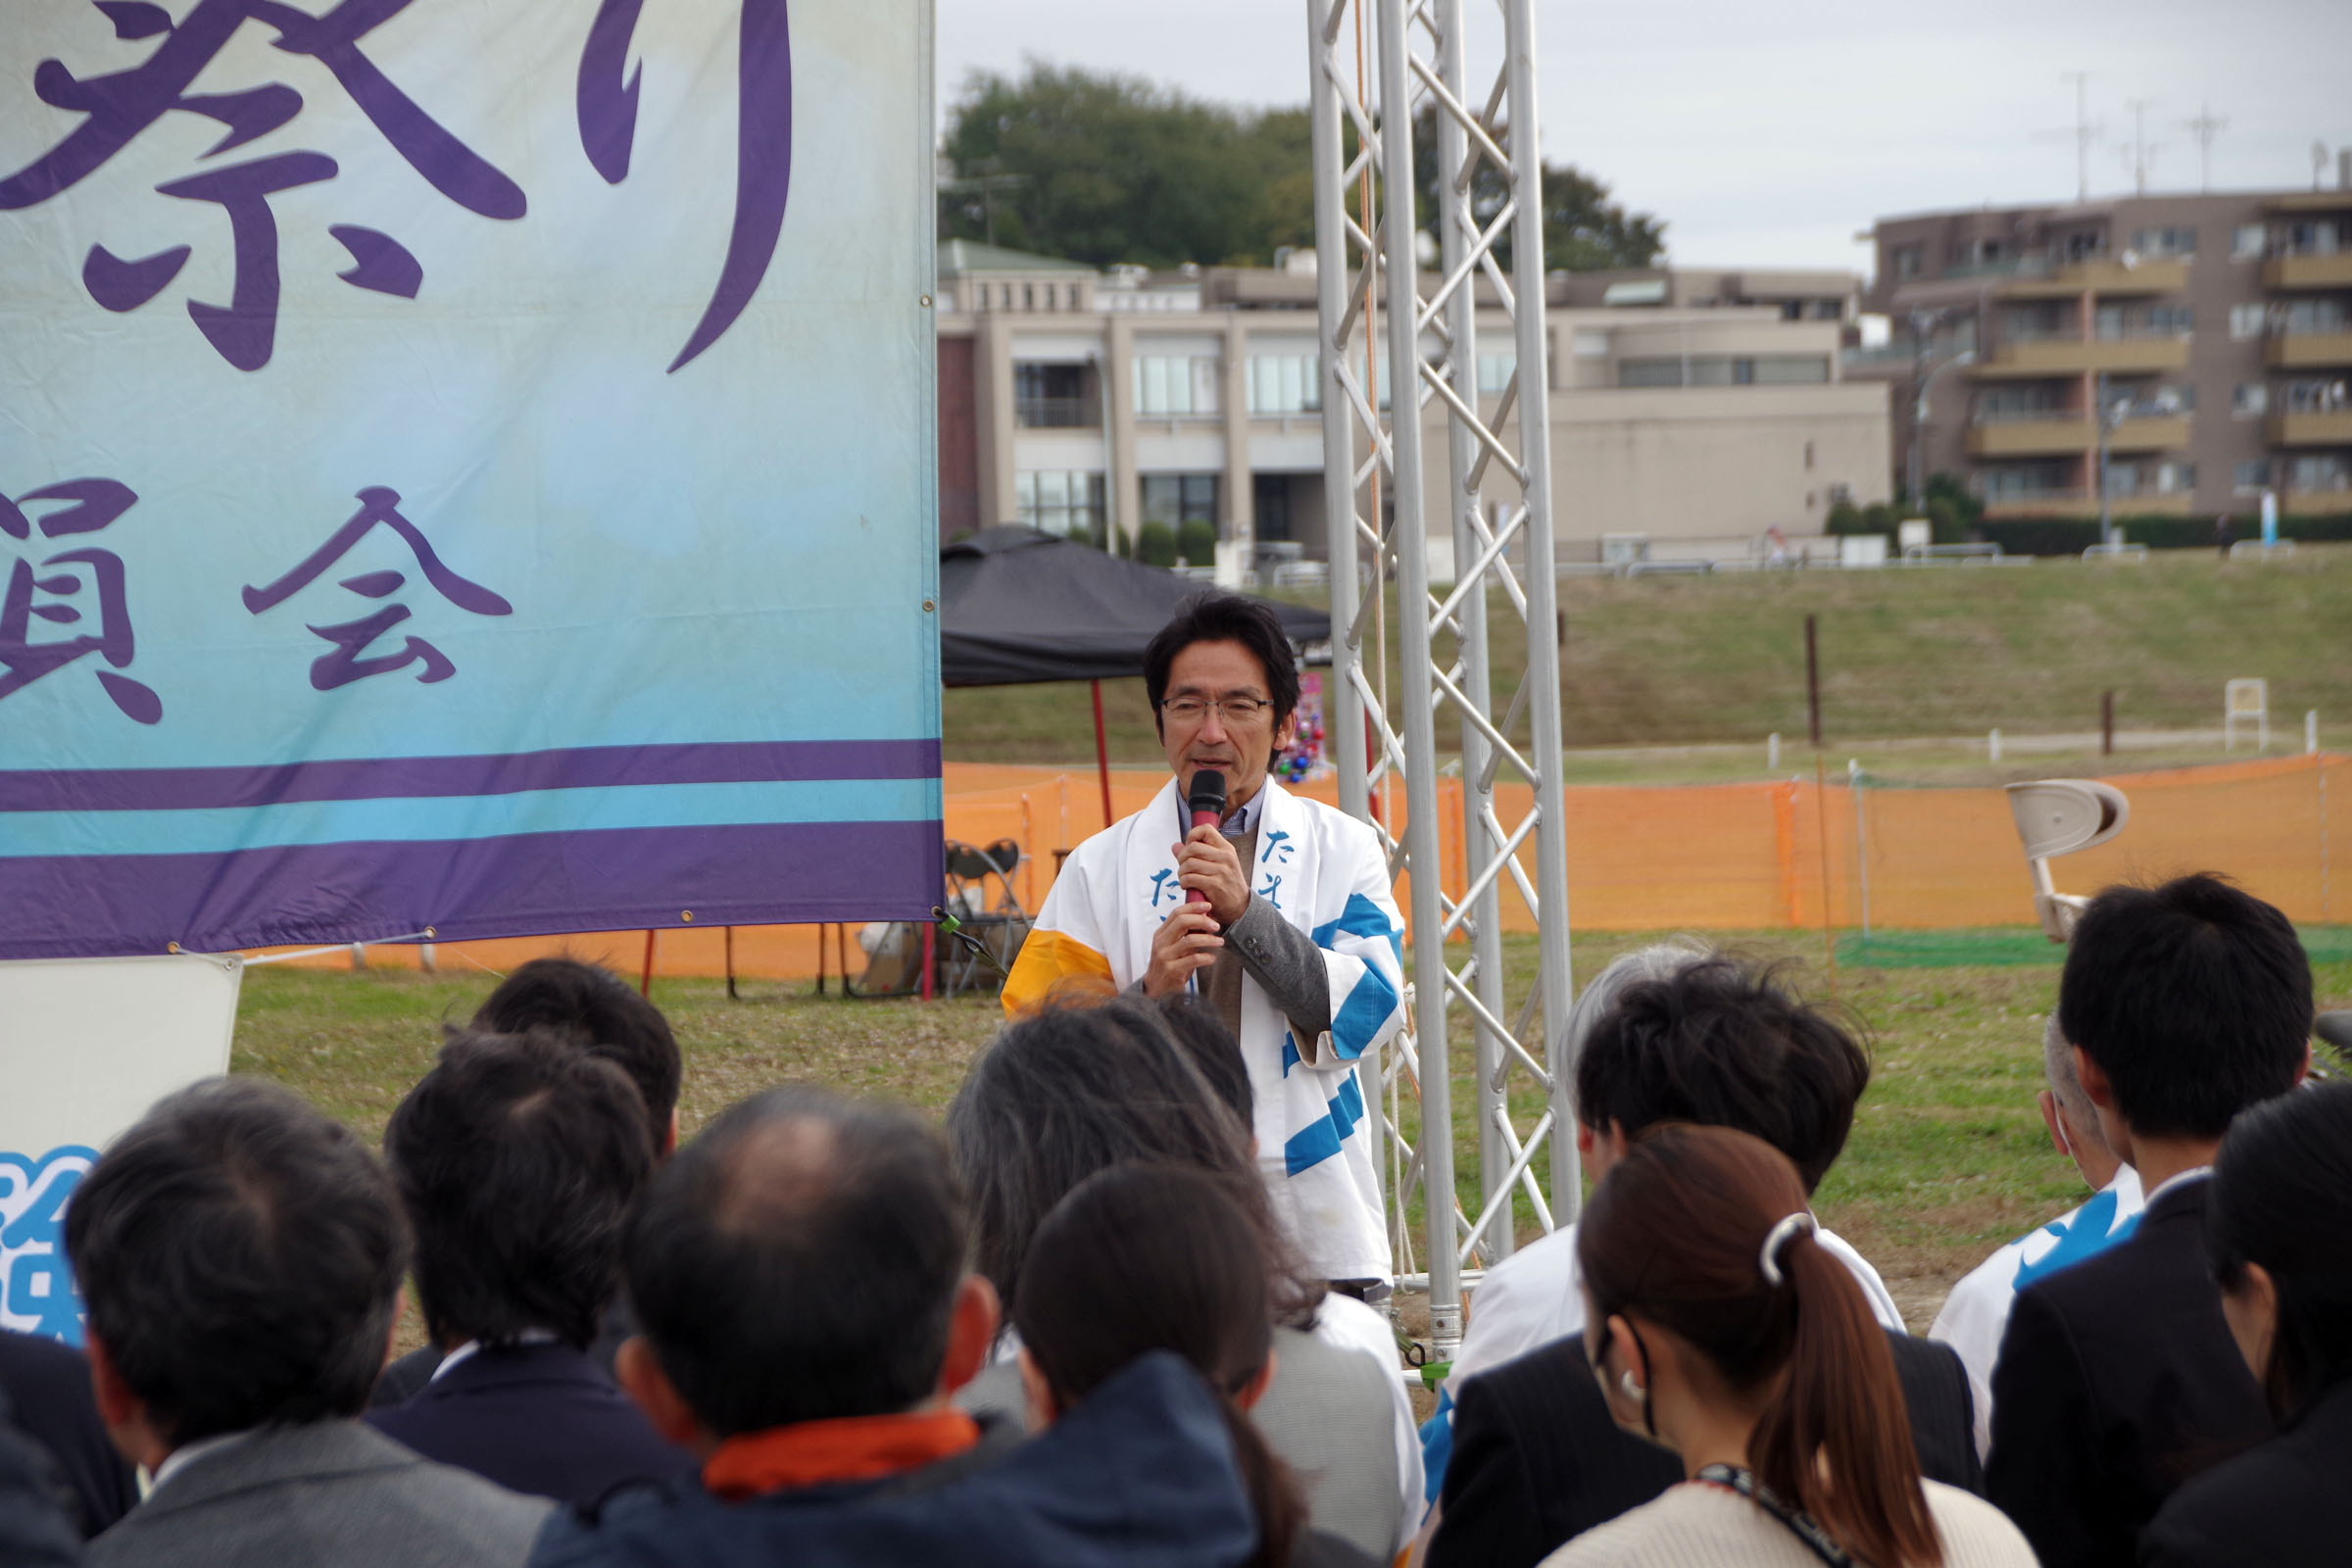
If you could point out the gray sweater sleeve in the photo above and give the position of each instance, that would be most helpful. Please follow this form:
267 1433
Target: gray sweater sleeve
1287 963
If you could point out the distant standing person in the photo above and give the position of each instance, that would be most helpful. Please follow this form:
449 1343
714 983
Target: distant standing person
1295 941
2225 533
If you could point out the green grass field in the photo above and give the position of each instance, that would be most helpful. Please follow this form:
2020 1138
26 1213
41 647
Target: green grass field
1698 659
1947 1159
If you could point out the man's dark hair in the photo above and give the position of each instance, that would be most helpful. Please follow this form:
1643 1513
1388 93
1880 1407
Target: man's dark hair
607 1015
1725 1043
1220 617
516 1158
240 1255
2194 999
799 1261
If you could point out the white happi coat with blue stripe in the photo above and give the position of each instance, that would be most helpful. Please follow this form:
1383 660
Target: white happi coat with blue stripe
1324 873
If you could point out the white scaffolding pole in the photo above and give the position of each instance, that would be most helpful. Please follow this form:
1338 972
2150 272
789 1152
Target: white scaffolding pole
1497 513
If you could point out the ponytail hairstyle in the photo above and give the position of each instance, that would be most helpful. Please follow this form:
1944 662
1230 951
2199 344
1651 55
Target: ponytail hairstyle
1678 1234
1156 1258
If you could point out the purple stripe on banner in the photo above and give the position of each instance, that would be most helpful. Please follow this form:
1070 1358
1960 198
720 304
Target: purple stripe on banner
533 884
163 789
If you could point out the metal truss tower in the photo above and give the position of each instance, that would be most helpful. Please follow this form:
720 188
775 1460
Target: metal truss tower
1402 361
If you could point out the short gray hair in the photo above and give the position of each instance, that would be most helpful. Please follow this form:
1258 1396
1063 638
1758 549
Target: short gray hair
2058 1065
1661 960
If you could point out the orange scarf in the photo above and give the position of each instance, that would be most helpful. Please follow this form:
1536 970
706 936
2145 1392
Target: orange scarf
809 1453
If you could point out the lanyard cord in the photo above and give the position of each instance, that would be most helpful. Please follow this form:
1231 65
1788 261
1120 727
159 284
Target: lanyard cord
1795 1521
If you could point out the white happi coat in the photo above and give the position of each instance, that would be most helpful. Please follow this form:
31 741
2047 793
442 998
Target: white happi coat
1324 873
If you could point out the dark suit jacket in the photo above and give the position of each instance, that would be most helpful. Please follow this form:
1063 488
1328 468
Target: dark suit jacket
49 1384
35 1531
2283 1505
2117 1382
1537 1458
540 1419
403 1378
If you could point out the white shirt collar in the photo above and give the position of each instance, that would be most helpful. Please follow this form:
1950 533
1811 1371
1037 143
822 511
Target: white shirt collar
1241 819
474 1347
188 1453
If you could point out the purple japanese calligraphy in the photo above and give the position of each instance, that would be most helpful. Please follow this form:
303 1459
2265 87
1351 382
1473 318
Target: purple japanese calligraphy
608 115
80 588
349 661
117 107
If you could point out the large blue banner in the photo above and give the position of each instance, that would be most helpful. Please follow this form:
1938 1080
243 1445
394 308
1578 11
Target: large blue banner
463 467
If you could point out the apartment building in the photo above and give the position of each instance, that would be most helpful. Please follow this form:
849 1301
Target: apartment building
1699 410
2220 328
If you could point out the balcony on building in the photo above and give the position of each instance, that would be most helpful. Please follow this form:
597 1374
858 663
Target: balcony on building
2075 501
1056 397
2330 427
2291 350
2044 277
2143 352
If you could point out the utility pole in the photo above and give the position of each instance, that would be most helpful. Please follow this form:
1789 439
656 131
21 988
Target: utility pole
2205 127
2083 134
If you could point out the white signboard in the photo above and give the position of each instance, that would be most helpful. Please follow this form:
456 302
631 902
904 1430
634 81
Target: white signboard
86 1044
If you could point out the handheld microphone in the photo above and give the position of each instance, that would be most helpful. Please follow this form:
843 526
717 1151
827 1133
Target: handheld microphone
1205 800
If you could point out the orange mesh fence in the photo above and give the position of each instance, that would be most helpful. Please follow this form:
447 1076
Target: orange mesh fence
1767 856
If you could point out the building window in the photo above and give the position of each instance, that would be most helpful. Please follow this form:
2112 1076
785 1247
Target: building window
1649 372
1588 345
2251 399
2326 472
2176 478
2245 322
1906 260
2012 405
1176 499
2317 397
2171 241
2113 321
2024 481
1168 384
2313 315
1790 369
2317 236
1285 383
2247 242
1052 397
1062 502
1495 372
2251 476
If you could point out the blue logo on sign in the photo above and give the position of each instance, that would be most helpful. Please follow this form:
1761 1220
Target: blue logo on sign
37 1285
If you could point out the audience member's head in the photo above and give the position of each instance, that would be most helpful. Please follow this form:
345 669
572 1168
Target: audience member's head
2187 1003
1711 1306
1066 1091
801 1260
1195 1025
240 1255
606 1015
516 1158
2279 1230
1154 1257
1724 1043
2068 1113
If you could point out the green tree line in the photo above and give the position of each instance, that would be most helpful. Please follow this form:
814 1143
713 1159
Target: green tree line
1107 168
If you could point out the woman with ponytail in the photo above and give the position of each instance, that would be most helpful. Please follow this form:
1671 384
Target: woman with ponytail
1721 1329
1139 1258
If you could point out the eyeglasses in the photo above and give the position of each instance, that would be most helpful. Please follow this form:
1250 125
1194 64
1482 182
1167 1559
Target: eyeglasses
1234 711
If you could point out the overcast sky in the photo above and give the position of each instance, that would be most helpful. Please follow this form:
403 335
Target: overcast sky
1773 134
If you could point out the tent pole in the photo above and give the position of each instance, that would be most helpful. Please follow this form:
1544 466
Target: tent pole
1101 754
645 982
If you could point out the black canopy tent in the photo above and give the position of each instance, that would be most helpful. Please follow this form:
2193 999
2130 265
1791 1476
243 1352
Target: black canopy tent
1019 606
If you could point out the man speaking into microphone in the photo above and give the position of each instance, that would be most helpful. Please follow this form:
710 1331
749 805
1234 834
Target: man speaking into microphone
1274 907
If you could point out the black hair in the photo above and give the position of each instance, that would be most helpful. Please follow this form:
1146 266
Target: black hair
240 1255
799 1261
1153 1257
2283 1198
2194 999
606 1016
1193 1024
1068 1091
1222 617
516 1158
1725 1042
